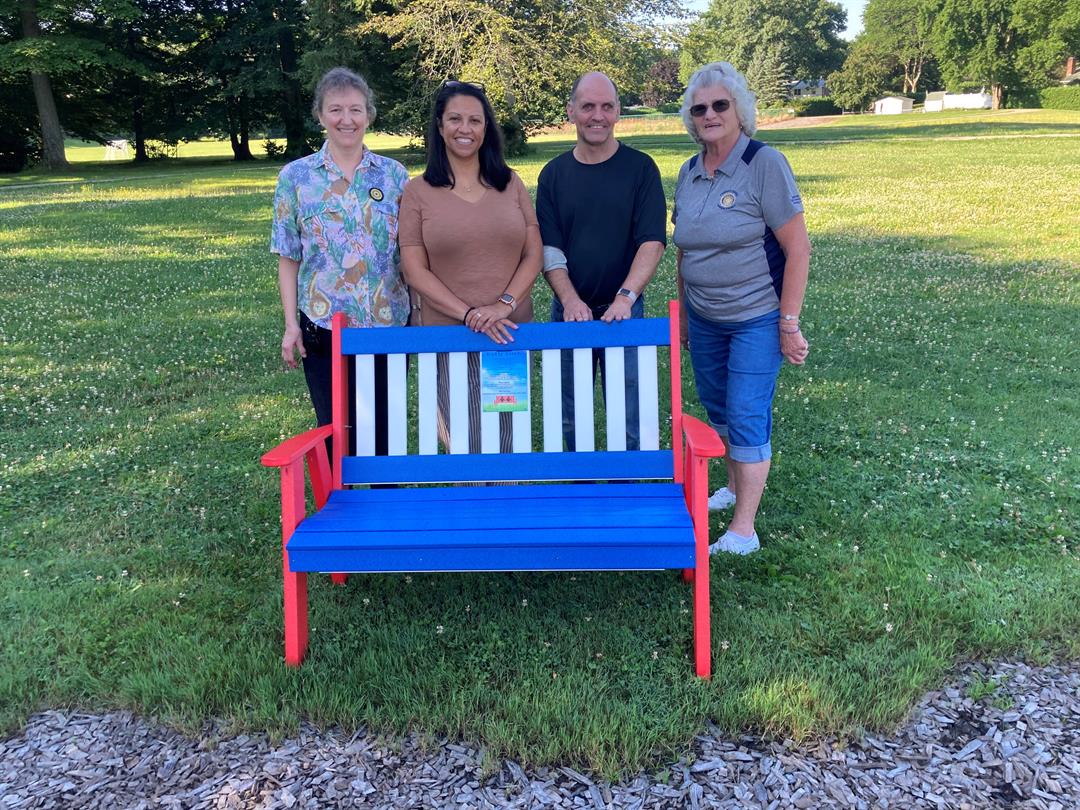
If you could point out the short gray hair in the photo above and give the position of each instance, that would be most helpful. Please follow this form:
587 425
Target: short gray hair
726 76
341 78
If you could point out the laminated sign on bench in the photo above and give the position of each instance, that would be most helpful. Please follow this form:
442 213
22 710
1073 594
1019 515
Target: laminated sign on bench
522 503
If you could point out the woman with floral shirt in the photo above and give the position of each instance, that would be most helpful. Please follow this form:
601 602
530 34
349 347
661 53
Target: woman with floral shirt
335 235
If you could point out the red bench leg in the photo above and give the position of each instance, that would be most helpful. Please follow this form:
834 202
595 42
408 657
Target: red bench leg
702 630
688 575
296 623
339 579
292 512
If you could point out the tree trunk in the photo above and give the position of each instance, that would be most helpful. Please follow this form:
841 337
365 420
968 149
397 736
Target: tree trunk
996 92
292 112
239 138
52 134
138 128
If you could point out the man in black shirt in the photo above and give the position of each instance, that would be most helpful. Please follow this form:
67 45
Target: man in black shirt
603 222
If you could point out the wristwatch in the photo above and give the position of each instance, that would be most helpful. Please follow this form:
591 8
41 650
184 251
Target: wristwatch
628 293
508 299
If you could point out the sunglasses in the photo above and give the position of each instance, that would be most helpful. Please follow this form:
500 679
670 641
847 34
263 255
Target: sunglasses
718 106
451 83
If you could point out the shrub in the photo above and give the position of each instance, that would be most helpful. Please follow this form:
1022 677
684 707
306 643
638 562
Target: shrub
670 107
1060 98
814 106
273 149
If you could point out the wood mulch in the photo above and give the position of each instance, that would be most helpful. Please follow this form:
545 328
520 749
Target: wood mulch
1016 746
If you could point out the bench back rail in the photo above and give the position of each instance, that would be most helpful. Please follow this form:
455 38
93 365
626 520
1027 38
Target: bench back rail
418 455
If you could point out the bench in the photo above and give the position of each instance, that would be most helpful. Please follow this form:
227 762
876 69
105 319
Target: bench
532 509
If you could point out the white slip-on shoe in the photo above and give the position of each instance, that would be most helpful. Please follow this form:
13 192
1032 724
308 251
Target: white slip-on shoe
723 498
733 544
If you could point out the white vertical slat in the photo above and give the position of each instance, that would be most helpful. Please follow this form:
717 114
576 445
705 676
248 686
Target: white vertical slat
365 405
489 432
551 374
648 398
615 393
428 407
458 391
396 407
584 434
522 420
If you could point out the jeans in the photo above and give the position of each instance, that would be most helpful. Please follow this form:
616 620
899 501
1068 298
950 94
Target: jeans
317 373
735 368
630 367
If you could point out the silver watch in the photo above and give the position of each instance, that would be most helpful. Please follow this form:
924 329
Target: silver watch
628 293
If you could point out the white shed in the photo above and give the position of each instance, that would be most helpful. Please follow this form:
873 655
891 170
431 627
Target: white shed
892 105
935 102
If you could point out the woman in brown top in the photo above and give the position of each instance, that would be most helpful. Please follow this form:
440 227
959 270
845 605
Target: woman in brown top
469 239
470 244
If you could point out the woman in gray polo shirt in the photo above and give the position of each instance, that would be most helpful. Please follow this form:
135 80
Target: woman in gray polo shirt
743 258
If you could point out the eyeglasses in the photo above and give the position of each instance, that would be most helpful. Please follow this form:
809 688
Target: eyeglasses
718 106
455 83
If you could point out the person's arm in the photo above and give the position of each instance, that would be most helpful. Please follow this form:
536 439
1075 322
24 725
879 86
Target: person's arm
649 234
684 334
496 315
555 272
795 242
642 269
292 343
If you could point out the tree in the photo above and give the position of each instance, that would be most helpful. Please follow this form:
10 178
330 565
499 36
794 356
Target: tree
902 30
525 52
662 84
867 73
767 74
1004 44
807 32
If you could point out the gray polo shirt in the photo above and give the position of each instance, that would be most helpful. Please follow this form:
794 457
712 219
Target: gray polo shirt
733 266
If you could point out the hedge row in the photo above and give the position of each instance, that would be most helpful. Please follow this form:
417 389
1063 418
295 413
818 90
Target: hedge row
1060 98
813 106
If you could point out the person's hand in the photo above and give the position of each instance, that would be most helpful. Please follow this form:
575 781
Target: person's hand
618 310
492 321
577 310
794 347
291 344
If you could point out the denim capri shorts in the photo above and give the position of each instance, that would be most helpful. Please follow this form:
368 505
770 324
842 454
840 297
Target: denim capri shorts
735 367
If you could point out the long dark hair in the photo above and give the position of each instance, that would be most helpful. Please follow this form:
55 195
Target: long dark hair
493 169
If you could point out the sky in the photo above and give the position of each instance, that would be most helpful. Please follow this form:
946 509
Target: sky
854 13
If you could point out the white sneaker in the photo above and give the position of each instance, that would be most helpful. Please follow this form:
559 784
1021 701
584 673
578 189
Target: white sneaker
723 498
732 544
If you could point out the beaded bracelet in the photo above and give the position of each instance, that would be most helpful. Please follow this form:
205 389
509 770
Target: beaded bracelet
465 317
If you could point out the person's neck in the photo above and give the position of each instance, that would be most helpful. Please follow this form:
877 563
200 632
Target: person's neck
716 153
348 159
467 171
588 153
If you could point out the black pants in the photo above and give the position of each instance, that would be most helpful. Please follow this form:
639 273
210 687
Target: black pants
317 372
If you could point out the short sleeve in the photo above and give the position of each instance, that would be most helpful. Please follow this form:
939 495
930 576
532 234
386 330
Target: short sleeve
780 199
285 228
410 225
525 202
650 208
550 232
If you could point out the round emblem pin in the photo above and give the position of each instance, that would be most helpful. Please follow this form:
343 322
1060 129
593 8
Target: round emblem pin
376 194
727 199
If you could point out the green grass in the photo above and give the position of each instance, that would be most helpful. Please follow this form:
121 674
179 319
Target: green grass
922 507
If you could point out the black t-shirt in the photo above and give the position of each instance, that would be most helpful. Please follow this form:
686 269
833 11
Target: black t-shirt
599 214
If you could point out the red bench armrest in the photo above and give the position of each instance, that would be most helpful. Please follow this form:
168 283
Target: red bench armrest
701 440
296 447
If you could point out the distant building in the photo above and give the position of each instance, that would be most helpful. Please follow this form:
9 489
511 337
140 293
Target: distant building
1072 73
936 102
807 88
892 105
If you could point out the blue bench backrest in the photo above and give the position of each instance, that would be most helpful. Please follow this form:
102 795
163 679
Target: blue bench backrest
423 448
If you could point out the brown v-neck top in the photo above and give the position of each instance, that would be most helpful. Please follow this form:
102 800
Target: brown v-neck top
473 248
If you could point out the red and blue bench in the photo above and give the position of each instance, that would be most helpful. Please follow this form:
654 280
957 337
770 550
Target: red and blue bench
547 510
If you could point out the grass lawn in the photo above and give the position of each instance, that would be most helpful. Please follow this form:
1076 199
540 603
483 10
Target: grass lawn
923 506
